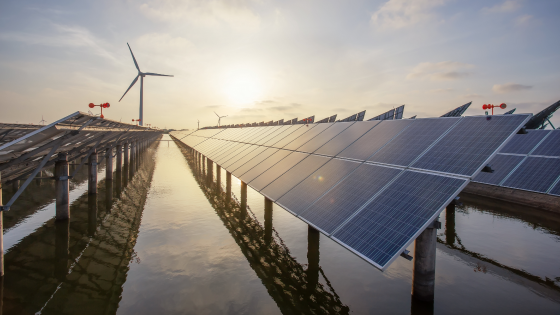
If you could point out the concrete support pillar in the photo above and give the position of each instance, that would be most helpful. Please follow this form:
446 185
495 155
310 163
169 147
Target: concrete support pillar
210 175
62 187
424 270
118 183
92 173
92 215
267 220
119 158
125 148
312 272
109 165
1 234
450 224
243 199
108 195
61 249
228 186
218 178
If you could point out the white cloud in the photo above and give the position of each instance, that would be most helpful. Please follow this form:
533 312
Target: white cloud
236 14
510 87
524 19
506 6
440 71
396 14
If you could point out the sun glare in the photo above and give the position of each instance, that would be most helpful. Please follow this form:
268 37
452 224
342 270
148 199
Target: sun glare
243 88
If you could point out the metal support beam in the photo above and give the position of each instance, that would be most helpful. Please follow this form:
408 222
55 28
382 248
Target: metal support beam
62 189
218 178
450 224
228 186
424 270
119 158
125 148
109 165
243 198
92 173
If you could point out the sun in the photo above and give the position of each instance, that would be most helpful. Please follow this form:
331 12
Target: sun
243 87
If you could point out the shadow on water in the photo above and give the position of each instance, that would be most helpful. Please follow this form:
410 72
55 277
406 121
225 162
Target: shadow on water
295 287
79 266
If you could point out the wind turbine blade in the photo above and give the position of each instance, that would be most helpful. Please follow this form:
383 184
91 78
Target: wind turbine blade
131 85
217 114
135 63
157 74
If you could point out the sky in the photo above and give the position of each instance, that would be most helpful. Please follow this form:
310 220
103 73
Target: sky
262 60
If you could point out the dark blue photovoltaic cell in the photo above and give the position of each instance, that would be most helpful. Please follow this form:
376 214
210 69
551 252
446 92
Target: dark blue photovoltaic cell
535 173
347 137
523 144
277 170
415 139
331 210
384 227
218 154
292 136
550 146
465 148
374 139
294 176
324 137
312 133
314 186
502 165
264 165
556 190
253 162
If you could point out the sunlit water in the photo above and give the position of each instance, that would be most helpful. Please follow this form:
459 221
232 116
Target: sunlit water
167 241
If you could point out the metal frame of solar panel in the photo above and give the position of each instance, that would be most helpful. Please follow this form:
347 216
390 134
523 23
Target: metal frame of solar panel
529 162
386 218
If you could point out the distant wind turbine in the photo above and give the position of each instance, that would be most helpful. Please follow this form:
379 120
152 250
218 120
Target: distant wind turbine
219 118
43 120
141 75
198 124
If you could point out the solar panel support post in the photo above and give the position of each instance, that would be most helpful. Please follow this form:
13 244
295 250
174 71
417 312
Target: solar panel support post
109 165
125 148
218 178
119 158
424 270
228 187
92 214
62 188
243 208
267 220
61 249
450 224
92 173
312 272
15 185
1 233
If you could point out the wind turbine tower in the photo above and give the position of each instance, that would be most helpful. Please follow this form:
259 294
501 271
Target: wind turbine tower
219 118
43 121
141 75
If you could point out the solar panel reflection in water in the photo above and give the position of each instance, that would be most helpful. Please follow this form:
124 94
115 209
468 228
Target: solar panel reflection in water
309 135
550 146
382 229
502 165
535 174
264 165
294 135
414 140
471 142
277 170
316 184
376 138
294 176
324 137
346 137
253 162
524 143
331 210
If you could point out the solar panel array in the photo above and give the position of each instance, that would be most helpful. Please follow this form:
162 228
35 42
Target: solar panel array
328 119
528 162
371 186
457 112
395 113
356 117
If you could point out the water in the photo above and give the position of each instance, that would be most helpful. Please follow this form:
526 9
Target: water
167 241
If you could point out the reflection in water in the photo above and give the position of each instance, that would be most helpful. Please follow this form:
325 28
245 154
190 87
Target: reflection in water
79 266
294 288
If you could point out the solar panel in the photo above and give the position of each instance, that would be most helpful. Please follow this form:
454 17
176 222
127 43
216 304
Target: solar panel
550 146
465 148
374 139
555 190
385 227
457 111
389 115
345 138
324 137
284 132
277 130
253 162
315 185
238 162
292 136
242 155
535 174
509 112
264 165
310 134
332 118
524 143
361 115
226 150
293 176
333 208
231 153
502 165
412 141
277 170
399 112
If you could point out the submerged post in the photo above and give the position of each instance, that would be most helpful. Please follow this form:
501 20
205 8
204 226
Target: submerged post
424 270
61 249
228 186
267 220
243 198
109 165
119 158
92 214
218 178
92 173
62 188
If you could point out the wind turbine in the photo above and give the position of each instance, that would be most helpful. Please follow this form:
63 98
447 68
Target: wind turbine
43 120
219 118
198 124
141 75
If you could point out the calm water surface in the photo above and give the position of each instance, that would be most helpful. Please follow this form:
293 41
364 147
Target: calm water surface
164 238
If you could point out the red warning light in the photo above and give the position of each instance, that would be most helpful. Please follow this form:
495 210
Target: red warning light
490 106
104 105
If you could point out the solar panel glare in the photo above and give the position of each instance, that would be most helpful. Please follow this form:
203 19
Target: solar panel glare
307 136
253 162
346 137
324 137
264 165
277 170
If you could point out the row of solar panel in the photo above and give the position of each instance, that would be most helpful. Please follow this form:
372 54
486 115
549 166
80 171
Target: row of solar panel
529 162
328 174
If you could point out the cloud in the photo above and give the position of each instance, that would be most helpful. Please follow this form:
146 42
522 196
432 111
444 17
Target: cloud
510 87
524 19
440 91
237 14
471 96
440 71
506 6
396 14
